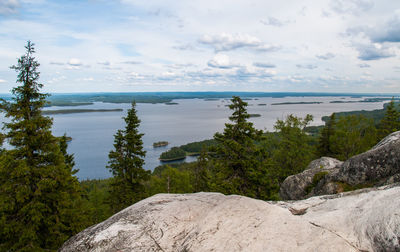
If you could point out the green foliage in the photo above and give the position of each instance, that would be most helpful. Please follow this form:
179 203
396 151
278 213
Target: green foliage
292 150
324 147
97 207
40 198
344 187
200 172
376 115
353 135
196 147
193 148
126 164
317 177
174 153
237 168
390 122
171 180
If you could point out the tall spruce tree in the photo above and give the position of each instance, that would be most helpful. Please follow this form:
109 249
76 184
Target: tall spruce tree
38 193
390 122
236 163
126 164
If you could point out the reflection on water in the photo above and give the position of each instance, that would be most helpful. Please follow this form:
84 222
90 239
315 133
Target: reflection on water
190 120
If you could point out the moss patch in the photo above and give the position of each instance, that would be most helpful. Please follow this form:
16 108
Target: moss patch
344 187
317 177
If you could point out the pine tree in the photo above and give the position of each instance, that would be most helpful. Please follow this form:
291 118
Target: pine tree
38 193
126 164
200 172
390 122
324 142
238 169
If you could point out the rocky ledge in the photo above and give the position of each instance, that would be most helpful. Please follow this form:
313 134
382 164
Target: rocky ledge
376 167
362 220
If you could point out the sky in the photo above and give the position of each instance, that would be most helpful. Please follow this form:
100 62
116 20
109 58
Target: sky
205 45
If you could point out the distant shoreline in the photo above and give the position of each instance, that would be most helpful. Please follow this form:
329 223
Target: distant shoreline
79 99
295 103
73 111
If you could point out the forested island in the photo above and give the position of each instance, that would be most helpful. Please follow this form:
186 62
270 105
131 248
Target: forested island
160 144
190 149
294 103
80 99
43 204
73 111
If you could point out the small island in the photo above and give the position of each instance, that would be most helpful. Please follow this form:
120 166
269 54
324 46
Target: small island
160 144
262 104
254 115
72 111
344 101
173 154
294 103
171 103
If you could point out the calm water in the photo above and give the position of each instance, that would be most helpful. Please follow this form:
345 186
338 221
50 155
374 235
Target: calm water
190 120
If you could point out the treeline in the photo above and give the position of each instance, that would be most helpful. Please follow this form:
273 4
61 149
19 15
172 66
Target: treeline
194 148
376 115
43 204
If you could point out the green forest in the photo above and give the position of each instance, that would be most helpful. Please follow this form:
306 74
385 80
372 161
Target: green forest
43 203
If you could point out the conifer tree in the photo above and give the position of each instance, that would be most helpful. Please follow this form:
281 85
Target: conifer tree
200 172
390 122
126 164
324 142
38 193
238 170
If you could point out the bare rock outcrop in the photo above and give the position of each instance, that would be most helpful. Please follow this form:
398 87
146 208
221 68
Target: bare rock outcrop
364 220
376 167
300 186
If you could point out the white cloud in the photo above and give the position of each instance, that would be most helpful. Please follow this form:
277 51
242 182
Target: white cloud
8 7
105 63
373 52
2 81
326 56
306 66
57 63
355 7
221 61
75 62
228 42
273 22
264 65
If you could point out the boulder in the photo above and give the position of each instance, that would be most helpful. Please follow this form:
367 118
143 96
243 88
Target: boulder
376 167
364 220
300 186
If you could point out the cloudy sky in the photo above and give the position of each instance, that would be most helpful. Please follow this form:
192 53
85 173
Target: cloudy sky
205 45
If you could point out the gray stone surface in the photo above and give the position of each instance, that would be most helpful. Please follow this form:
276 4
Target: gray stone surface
376 167
365 220
297 186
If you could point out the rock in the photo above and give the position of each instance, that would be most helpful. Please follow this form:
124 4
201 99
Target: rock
364 220
376 167
373 166
299 186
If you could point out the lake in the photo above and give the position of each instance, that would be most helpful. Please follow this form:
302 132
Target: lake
191 120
